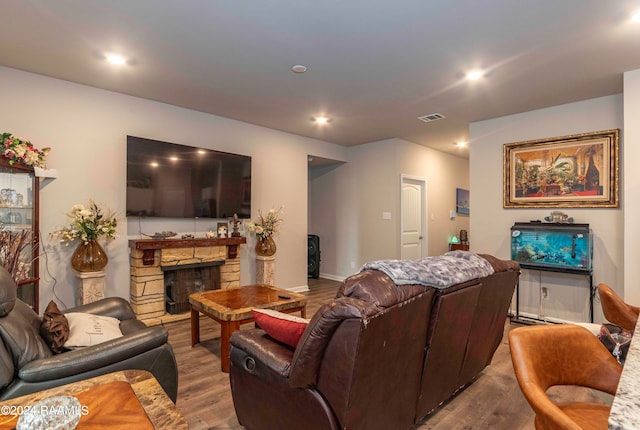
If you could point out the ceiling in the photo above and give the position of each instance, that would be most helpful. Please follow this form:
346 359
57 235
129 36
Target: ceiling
373 66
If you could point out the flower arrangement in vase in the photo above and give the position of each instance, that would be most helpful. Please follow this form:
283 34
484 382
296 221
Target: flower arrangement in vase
265 227
22 151
88 224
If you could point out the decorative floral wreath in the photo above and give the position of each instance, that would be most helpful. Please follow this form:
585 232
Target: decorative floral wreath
22 151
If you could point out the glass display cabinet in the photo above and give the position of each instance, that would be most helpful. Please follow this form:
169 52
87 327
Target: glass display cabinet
19 228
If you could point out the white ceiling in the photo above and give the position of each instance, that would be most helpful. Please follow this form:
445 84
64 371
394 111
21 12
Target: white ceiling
373 65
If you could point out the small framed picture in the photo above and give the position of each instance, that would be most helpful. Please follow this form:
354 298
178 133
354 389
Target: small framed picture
462 201
223 229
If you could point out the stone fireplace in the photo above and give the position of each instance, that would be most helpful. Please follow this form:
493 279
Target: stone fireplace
151 259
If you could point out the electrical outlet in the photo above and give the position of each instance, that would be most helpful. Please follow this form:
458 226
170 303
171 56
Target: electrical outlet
545 293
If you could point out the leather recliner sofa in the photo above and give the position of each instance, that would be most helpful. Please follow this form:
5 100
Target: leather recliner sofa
378 356
27 365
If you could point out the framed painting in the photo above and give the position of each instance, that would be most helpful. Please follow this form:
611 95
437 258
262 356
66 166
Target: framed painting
462 201
579 171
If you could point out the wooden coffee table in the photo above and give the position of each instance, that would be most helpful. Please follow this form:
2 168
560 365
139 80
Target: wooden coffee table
232 307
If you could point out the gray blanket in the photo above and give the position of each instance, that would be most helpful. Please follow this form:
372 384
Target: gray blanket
440 272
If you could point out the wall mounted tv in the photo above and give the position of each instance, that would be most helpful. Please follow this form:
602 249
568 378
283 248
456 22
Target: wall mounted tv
177 181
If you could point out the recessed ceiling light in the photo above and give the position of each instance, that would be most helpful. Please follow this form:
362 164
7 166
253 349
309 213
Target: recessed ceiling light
321 120
174 158
201 151
636 17
474 75
154 164
116 59
299 68
461 144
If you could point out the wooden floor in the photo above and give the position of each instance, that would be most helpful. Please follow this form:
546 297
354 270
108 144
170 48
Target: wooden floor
493 401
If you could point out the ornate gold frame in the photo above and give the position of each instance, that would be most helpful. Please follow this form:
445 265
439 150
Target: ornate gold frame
577 171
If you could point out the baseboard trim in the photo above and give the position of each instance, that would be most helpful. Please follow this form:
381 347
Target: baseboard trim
542 320
300 289
332 277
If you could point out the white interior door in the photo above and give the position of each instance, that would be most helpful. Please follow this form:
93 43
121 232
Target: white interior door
413 235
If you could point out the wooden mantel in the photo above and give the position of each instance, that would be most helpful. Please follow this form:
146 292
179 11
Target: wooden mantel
148 246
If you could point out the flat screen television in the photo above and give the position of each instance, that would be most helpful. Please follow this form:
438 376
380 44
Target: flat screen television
177 181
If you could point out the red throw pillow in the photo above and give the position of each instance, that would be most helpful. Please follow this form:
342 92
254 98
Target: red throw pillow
280 326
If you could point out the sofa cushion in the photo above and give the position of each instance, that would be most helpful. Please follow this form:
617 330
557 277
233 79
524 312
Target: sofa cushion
20 332
55 328
88 329
6 367
501 265
282 327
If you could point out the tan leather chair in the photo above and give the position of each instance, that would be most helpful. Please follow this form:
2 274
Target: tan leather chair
564 354
615 310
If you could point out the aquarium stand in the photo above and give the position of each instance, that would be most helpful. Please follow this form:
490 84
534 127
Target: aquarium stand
553 247
530 320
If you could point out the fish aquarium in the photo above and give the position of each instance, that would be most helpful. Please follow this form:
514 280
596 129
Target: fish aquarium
551 246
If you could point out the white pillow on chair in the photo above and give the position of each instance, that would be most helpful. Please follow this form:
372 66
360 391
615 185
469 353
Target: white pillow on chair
88 329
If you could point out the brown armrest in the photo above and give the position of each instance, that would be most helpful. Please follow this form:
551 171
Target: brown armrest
261 347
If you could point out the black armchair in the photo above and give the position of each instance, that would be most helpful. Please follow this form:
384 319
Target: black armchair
27 364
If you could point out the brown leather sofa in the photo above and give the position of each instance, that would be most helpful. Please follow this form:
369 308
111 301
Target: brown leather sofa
378 356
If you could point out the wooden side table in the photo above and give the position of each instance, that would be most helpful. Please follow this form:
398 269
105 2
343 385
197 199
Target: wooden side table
458 246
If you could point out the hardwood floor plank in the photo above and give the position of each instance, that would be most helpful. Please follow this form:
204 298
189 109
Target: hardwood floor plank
493 401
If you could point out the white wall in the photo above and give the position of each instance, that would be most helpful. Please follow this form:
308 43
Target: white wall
347 202
631 188
323 220
444 173
87 128
490 224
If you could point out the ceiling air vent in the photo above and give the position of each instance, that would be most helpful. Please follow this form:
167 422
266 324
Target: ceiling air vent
431 117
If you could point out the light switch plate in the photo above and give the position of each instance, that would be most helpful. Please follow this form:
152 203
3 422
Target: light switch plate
386 215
